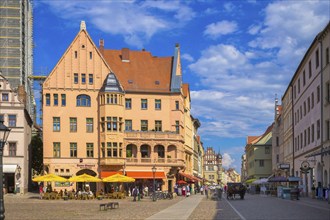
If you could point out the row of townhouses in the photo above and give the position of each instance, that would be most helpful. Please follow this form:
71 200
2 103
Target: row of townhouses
298 142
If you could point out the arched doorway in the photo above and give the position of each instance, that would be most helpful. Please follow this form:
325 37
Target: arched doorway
81 186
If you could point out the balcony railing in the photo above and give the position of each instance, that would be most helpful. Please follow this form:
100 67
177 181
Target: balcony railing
152 135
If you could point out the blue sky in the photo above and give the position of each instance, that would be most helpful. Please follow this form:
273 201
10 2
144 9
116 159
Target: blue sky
236 55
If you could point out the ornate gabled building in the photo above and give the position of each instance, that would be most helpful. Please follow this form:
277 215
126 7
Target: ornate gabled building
117 111
213 166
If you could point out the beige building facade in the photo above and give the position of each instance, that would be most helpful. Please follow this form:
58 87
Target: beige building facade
117 111
16 151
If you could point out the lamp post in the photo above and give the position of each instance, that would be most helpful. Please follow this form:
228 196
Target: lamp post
4 132
153 173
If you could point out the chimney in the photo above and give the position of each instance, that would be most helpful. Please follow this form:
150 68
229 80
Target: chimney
125 55
276 106
101 46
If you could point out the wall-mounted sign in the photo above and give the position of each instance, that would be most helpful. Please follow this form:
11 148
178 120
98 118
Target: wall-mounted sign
305 167
284 166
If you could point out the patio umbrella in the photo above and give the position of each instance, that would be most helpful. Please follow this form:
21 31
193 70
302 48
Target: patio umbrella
118 178
84 178
49 178
181 182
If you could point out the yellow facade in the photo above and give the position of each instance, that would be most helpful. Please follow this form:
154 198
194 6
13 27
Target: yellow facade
95 125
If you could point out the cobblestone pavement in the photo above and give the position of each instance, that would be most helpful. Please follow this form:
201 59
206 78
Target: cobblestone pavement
262 207
252 207
31 207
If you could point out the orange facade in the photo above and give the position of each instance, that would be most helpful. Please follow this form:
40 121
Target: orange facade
108 111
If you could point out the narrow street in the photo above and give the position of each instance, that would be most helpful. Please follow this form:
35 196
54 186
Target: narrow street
262 207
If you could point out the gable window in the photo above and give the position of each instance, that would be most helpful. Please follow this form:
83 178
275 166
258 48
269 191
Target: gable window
158 104
144 104
298 86
55 99
63 97
73 124
56 124
12 149
75 78
128 125
261 163
327 56
144 125
5 97
318 94
177 105
75 54
267 150
12 120
90 55
177 127
83 100
90 150
47 99
90 79
83 78
128 103
158 125
56 149
310 69
73 149
89 125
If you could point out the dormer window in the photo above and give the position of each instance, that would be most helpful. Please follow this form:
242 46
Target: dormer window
130 81
157 82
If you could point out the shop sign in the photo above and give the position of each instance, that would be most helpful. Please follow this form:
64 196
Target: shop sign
85 165
284 166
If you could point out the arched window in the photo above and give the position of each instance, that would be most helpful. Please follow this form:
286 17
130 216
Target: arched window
83 100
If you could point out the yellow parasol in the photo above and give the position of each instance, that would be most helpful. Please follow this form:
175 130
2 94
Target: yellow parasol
49 178
118 178
84 178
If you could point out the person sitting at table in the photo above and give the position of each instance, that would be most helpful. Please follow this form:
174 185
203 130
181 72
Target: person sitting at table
90 194
101 192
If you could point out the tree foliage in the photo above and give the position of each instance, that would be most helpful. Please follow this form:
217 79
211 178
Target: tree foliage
37 153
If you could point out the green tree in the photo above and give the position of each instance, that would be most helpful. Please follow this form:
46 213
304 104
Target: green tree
37 153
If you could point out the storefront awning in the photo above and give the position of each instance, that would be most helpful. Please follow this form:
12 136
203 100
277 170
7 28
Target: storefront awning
190 177
9 168
145 174
109 173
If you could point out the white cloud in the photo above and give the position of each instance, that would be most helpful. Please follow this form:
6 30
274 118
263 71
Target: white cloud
227 161
187 57
136 22
229 7
215 30
289 26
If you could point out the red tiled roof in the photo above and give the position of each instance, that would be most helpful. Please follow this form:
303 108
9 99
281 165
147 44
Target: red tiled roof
140 71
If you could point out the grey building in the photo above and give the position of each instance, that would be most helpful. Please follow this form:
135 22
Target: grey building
16 48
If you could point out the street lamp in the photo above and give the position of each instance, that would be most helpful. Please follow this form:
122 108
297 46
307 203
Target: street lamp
4 133
153 173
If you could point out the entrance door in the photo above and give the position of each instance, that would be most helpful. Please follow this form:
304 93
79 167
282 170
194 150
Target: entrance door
9 182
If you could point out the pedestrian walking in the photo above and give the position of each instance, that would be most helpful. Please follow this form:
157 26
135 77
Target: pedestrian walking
135 193
207 191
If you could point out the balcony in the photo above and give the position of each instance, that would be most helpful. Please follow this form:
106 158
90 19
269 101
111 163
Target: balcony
153 135
112 161
159 161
